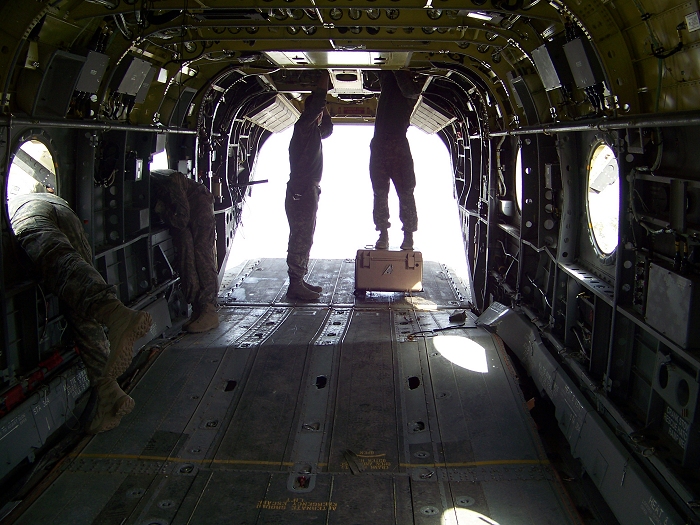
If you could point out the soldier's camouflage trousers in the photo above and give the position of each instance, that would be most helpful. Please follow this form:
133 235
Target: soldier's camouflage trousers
54 239
196 252
390 160
301 213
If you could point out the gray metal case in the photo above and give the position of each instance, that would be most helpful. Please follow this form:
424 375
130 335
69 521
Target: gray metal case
389 271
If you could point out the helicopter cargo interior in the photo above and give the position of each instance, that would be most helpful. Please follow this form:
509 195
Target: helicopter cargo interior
557 382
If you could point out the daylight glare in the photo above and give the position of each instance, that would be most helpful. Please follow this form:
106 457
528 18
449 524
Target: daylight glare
344 220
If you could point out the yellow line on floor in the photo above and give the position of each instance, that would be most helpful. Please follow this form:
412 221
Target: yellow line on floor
181 460
289 464
478 463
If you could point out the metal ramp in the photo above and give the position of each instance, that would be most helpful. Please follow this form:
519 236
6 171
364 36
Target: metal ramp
345 411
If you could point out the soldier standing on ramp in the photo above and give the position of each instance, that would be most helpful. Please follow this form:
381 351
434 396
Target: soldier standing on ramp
303 190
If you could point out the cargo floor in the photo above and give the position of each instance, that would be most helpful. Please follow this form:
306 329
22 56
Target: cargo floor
371 410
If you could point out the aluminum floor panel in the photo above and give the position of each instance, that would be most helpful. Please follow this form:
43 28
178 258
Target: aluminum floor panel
326 273
365 420
346 411
173 389
438 286
262 282
265 281
259 432
345 283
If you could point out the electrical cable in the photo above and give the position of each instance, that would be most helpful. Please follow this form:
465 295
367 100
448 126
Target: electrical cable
544 296
502 189
580 342
435 330
126 33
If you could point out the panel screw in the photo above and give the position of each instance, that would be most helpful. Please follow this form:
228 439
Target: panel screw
465 501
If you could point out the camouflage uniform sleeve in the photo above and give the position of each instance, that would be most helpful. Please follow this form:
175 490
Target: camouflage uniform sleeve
409 88
311 112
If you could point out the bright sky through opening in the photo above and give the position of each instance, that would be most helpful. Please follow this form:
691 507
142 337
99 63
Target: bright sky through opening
344 220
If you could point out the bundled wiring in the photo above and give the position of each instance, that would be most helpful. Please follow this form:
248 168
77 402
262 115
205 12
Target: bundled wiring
106 167
658 50
633 208
124 30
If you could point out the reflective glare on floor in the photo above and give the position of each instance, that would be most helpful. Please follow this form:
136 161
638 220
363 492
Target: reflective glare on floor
462 352
457 516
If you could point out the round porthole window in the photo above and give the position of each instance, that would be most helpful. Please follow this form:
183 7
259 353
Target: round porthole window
32 170
519 178
603 199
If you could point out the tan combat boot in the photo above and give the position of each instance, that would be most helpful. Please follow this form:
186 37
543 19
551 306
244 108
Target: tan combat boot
125 327
383 241
112 405
208 319
312 287
298 291
193 317
407 243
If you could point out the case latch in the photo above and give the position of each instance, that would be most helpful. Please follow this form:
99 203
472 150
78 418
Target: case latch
365 262
411 260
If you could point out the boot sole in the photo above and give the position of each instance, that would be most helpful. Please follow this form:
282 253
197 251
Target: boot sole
199 330
303 299
120 358
192 319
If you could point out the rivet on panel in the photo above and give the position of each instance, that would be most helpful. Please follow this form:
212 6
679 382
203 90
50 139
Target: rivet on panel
464 501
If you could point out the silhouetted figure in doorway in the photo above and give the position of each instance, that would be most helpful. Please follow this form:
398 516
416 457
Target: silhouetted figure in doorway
390 158
303 189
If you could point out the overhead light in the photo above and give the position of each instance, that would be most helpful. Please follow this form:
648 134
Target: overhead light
429 117
340 57
480 15
275 114
162 75
348 81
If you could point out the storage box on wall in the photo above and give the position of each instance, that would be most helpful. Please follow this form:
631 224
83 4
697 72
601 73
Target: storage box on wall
673 306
